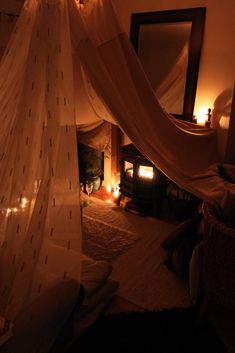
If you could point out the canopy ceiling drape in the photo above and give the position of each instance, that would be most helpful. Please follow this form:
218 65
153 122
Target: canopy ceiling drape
69 65
185 152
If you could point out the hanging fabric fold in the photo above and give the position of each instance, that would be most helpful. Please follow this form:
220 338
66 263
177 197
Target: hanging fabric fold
186 153
40 206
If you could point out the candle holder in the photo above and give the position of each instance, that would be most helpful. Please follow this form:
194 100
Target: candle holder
208 122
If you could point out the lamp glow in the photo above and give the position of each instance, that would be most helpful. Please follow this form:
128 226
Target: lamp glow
201 116
204 117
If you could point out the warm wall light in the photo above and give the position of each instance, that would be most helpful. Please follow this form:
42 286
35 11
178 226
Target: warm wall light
204 117
201 116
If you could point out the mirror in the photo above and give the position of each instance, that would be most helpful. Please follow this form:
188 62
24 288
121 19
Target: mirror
168 44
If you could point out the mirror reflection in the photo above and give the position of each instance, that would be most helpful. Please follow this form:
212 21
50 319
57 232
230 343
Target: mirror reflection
166 46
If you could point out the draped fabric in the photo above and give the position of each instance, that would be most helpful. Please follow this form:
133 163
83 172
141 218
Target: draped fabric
39 188
7 24
185 152
169 91
69 65
97 135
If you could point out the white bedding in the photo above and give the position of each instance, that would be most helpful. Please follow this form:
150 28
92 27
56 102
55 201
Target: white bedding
94 274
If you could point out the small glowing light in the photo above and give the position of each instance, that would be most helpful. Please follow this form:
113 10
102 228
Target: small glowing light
116 191
109 188
24 202
203 116
109 201
15 210
8 211
146 172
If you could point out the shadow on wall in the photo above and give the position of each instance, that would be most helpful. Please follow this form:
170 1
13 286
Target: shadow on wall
220 119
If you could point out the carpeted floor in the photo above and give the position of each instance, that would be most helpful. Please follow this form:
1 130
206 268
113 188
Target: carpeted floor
168 331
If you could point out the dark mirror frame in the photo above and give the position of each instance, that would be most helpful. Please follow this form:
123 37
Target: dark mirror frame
197 17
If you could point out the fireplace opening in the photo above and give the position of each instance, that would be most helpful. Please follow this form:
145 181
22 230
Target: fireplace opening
142 182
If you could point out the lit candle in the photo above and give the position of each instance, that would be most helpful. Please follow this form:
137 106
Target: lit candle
116 191
203 117
109 188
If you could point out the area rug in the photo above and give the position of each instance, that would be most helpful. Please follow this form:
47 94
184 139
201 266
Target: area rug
167 331
133 244
102 241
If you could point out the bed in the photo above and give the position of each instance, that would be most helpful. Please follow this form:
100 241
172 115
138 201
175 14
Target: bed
77 312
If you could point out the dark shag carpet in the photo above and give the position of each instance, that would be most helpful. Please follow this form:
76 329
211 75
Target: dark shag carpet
173 331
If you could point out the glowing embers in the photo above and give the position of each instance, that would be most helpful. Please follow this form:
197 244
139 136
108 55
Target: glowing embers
146 172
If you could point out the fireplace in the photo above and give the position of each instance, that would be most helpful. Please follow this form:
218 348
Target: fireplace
140 181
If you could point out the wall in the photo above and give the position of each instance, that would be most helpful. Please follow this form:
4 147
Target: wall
217 72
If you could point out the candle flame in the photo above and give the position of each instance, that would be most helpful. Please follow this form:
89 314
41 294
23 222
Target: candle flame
109 188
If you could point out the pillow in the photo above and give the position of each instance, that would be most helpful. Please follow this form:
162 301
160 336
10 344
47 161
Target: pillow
185 229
